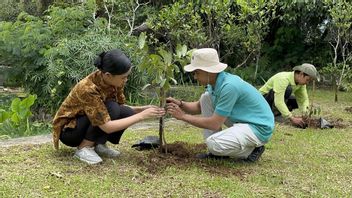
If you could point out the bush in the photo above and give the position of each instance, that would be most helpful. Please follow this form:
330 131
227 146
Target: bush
48 56
72 59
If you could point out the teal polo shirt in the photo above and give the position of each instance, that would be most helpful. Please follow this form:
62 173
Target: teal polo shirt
240 102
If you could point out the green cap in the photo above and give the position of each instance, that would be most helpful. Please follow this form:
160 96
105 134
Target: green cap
308 69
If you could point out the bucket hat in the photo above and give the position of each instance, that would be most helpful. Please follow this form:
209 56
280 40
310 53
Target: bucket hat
308 69
205 59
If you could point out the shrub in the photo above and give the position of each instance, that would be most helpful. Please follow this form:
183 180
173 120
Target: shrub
72 59
47 56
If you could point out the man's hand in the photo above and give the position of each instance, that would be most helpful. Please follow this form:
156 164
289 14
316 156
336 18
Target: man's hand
174 101
175 110
298 121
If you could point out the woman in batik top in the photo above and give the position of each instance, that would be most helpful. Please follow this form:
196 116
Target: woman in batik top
94 112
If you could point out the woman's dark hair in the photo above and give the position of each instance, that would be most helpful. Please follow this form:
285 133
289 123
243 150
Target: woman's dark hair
114 61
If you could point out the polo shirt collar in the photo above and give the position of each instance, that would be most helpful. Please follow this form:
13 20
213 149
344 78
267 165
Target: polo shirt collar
292 78
219 81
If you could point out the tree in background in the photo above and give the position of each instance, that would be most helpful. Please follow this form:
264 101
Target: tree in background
340 38
177 22
9 10
49 54
256 17
295 35
215 24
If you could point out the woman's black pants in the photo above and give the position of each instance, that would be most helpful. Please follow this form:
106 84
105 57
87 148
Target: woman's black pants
84 129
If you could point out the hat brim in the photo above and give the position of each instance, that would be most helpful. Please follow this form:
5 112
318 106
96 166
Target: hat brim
212 69
299 68
318 77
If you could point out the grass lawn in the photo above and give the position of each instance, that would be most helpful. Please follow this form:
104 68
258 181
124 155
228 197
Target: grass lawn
297 163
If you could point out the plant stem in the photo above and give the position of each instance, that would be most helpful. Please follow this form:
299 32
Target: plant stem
161 121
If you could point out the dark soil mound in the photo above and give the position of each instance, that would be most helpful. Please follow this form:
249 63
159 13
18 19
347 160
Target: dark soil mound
316 122
181 149
348 109
182 155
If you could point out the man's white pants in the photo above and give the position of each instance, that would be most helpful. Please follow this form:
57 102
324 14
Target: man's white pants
237 141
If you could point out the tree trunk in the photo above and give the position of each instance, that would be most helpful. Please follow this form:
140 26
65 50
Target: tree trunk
257 57
313 95
161 121
43 5
335 88
256 65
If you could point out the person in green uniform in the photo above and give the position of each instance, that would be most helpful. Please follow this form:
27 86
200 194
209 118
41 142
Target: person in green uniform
286 91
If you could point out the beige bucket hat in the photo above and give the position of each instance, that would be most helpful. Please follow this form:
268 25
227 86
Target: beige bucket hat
205 59
308 69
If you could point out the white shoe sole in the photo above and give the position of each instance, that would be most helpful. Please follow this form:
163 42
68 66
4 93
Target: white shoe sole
87 161
107 154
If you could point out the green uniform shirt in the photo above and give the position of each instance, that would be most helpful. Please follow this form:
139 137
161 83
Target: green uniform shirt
279 83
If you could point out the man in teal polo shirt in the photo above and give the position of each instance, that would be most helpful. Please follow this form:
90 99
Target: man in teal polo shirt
228 100
278 89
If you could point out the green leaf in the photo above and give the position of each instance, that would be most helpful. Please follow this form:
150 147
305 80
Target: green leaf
162 83
145 86
176 68
141 40
15 105
28 102
4 115
184 50
156 60
174 81
15 119
181 50
167 86
167 56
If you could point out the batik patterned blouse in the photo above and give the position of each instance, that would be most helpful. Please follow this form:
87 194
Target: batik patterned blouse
88 98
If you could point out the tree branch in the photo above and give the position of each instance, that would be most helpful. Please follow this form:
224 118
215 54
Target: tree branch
245 61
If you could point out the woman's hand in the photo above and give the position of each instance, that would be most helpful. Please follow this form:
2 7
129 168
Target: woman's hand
138 109
148 106
152 112
175 110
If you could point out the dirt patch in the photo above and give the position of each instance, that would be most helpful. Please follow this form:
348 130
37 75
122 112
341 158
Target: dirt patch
32 140
335 123
182 155
183 150
348 109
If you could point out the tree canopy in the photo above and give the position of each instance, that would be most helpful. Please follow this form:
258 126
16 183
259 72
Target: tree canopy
50 44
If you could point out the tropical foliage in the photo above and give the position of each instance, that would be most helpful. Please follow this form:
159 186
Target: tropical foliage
15 121
51 44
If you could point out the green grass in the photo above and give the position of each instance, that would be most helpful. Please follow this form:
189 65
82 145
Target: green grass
296 163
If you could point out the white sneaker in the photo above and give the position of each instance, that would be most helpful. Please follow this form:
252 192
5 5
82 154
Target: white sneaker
88 155
102 149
